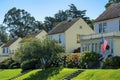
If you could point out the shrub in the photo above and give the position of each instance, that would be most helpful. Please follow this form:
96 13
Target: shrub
6 63
112 63
29 64
90 60
73 60
14 65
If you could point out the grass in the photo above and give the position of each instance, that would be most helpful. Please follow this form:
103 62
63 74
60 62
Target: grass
49 74
9 73
98 74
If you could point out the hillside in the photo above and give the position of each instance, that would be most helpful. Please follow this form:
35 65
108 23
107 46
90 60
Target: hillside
99 74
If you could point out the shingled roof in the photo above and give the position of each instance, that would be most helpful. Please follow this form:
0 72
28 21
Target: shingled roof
30 37
110 13
10 42
63 26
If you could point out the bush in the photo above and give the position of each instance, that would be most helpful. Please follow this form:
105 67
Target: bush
112 63
14 65
29 64
3 66
90 60
6 63
73 60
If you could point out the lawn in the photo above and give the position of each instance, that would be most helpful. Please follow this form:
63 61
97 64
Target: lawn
98 74
9 73
49 74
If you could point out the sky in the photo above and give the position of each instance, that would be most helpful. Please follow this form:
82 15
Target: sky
42 8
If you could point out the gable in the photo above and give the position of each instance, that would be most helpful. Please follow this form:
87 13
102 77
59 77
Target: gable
9 43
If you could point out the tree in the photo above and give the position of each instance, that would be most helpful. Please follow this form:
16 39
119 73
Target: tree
60 16
49 23
111 2
40 50
3 34
20 22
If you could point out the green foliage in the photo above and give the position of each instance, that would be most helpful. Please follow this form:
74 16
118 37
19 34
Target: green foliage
14 65
20 22
41 50
73 60
3 34
8 64
89 59
113 62
29 64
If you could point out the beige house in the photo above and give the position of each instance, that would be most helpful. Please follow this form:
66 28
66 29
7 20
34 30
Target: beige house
107 26
41 34
8 49
67 33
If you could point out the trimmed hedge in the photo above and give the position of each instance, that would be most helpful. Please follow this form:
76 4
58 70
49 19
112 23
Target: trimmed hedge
29 64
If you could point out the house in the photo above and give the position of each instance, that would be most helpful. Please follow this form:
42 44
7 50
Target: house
11 46
8 49
107 26
39 34
67 33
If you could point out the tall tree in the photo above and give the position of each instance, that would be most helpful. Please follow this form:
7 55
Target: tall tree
111 2
49 23
3 34
60 16
20 22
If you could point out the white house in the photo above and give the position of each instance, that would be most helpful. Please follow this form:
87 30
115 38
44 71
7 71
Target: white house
67 33
107 25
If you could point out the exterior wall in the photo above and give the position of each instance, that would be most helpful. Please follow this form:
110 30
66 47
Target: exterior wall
95 45
15 46
59 37
42 35
78 28
112 25
117 46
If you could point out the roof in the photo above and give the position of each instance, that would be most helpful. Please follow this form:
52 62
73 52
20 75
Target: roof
10 42
113 11
63 26
30 37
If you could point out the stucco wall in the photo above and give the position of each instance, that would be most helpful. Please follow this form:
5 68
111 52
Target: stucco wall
117 46
41 35
112 25
80 27
15 45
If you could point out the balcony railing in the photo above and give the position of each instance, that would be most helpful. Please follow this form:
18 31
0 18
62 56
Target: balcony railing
100 35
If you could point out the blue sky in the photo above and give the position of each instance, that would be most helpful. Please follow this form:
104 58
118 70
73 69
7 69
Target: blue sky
42 8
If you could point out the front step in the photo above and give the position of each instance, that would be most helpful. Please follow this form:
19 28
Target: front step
73 75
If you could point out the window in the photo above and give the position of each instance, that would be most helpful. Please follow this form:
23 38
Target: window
119 25
100 28
111 47
80 27
59 38
104 27
3 50
78 38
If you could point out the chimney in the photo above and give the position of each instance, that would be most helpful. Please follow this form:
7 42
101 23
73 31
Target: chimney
69 19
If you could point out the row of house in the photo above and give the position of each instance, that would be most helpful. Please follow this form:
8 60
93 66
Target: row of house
76 33
7 50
